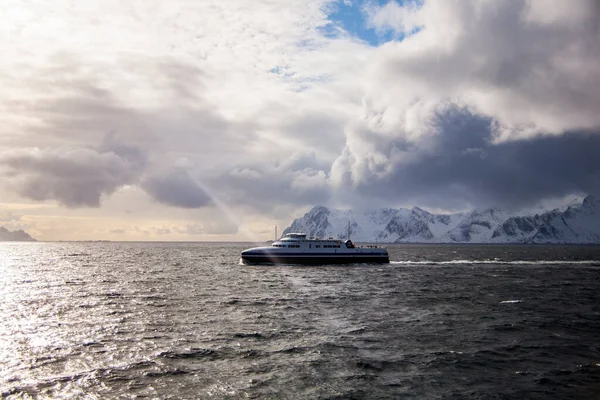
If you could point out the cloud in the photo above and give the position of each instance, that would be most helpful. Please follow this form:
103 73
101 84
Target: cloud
454 115
463 166
401 19
163 231
208 227
216 105
503 59
15 222
177 188
75 177
7 216
297 180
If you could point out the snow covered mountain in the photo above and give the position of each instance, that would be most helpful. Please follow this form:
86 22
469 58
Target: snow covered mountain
577 223
14 236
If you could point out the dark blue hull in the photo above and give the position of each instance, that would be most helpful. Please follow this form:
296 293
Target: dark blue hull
314 259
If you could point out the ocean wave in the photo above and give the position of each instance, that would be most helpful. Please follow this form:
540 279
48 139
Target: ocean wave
189 353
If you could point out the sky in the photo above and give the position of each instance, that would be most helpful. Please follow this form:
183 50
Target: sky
218 120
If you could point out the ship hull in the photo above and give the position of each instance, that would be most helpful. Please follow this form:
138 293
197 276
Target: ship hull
313 259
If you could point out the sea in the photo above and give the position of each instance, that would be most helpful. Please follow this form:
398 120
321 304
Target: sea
122 320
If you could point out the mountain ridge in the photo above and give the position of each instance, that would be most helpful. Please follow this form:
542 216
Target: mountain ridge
575 224
14 236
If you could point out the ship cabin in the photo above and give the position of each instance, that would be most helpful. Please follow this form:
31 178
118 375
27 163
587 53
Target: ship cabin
299 240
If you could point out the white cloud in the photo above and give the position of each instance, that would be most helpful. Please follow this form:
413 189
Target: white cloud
401 19
561 13
533 79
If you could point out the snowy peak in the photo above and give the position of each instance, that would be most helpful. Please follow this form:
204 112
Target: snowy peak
477 226
411 225
579 224
591 203
522 229
315 223
576 224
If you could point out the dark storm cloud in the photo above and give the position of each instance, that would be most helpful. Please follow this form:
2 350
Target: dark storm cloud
177 188
464 166
75 177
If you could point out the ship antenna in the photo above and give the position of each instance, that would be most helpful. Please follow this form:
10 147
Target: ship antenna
275 232
348 230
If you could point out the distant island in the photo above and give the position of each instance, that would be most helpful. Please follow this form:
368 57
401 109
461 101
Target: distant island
14 236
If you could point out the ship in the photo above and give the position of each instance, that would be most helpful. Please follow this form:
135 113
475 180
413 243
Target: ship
296 248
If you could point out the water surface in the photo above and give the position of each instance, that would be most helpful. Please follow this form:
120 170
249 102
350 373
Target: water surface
185 320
